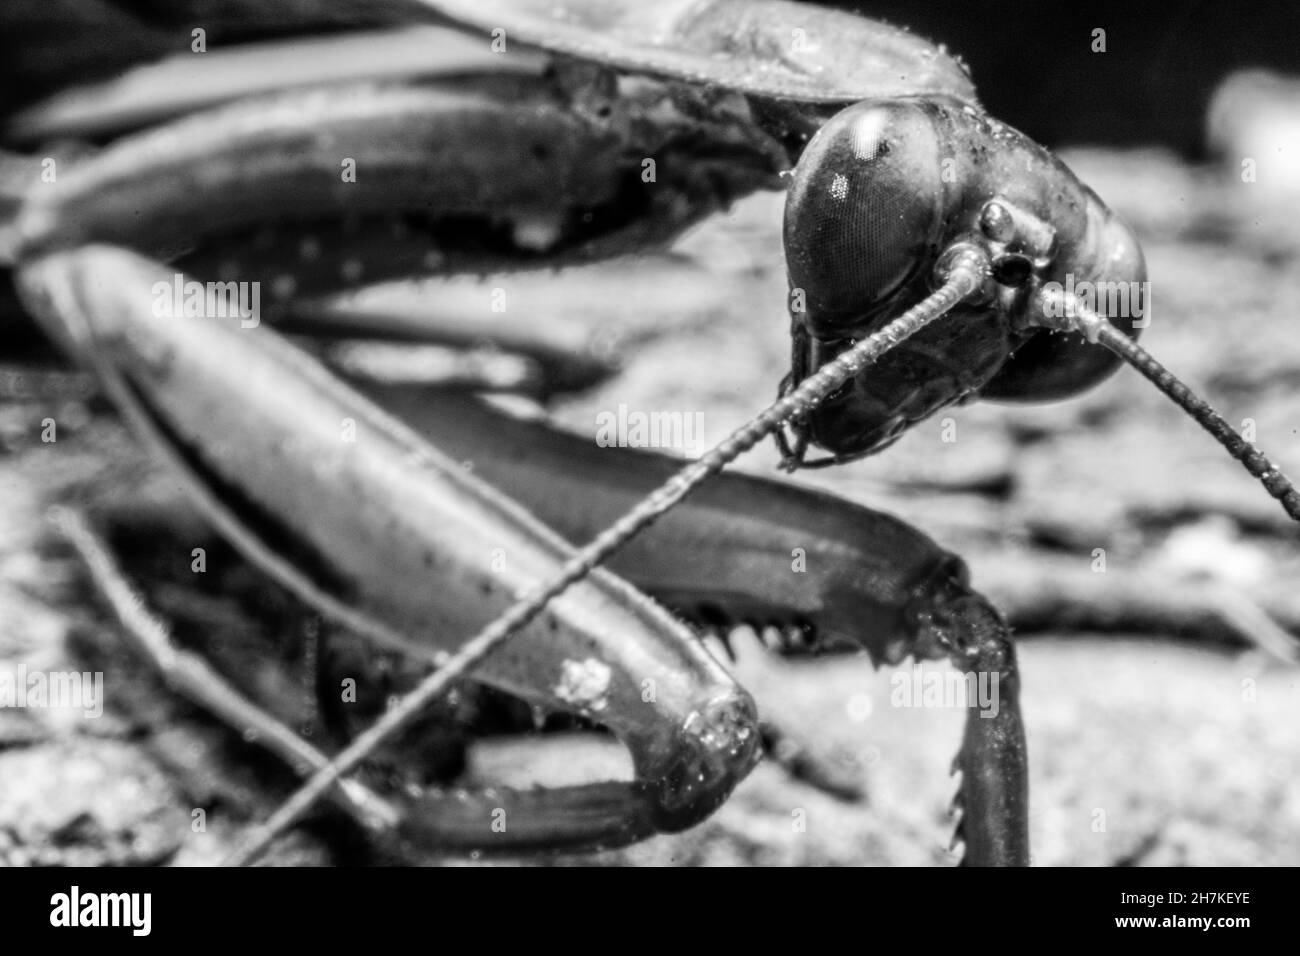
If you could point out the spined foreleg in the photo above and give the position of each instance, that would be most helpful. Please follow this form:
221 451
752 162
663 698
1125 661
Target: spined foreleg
392 539
868 580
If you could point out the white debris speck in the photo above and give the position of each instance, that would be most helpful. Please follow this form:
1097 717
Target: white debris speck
584 684
537 234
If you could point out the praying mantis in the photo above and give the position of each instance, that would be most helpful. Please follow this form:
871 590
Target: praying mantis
934 256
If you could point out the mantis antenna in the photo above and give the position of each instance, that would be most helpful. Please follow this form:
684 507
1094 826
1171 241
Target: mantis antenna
1078 317
963 272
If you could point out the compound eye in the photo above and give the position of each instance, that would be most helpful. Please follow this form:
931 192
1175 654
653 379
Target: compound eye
864 209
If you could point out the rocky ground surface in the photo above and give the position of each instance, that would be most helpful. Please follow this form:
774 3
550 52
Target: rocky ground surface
1161 728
